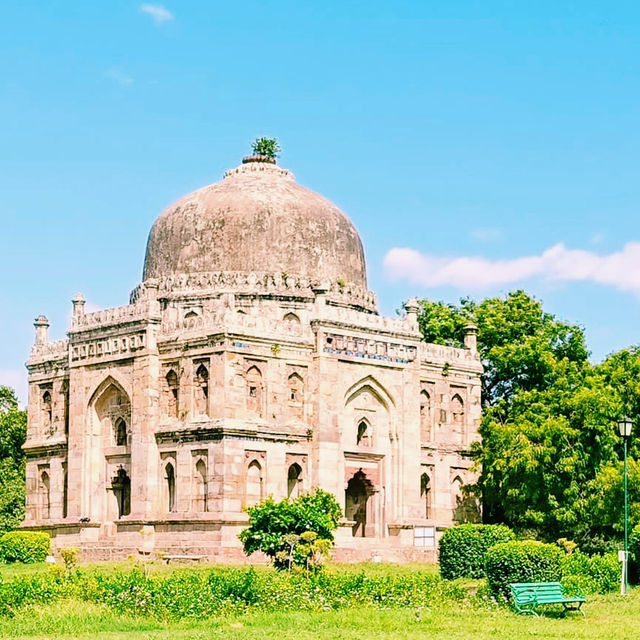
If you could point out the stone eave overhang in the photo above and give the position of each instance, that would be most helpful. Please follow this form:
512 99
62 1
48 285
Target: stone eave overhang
46 365
446 449
319 323
206 518
455 367
59 523
42 449
199 432
227 340
109 330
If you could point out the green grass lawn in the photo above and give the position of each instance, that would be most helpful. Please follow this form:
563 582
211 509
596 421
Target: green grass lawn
607 617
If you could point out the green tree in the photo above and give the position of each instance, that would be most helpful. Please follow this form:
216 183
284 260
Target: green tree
281 529
13 432
548 424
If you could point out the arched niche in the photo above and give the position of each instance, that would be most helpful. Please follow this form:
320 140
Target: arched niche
200 486
253 489
425 494
294 480
46 412
364 433
170 487
171 394
367 416
255 391
202 390
426 416
44 491
110 412
295 391
292 319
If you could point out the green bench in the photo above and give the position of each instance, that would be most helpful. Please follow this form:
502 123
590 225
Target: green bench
528 596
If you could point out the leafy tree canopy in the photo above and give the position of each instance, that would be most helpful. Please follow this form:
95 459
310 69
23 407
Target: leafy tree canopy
13 432
549 445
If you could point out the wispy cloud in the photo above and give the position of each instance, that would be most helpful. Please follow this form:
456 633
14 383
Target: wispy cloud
119 77
620 269
158 13
488 234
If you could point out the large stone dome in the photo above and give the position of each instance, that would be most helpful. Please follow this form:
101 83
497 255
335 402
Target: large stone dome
256 220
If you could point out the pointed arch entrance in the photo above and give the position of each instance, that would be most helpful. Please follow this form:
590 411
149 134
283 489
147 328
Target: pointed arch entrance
358 506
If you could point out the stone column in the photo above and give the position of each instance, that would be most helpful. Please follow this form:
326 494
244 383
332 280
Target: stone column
145 414
471 337
42 330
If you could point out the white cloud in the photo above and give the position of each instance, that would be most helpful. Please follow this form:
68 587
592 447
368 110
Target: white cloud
159 13
620 269
487 234
17 380
119 77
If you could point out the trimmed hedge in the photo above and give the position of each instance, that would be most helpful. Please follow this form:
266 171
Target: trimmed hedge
463 548
24 546
591 574
527 561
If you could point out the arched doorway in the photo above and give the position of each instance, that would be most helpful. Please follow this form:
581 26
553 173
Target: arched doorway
121 487
357 504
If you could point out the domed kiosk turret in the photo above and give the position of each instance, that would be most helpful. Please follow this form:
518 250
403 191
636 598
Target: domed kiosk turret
257 220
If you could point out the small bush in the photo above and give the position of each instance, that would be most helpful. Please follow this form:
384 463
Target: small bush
591 574
70 557
24 546
463 548
528 561
634 555
278 529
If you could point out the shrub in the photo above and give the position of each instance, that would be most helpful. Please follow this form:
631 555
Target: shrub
591 574
268 147
281 529
193 594
528 561
24 546
70 557
463 548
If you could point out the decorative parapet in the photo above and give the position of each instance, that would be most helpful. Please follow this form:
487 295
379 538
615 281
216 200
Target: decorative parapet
115 316
441 354
368 321
109 347
234 322
368 349
49 351
266 284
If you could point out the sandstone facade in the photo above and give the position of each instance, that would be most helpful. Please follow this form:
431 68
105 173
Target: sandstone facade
251 361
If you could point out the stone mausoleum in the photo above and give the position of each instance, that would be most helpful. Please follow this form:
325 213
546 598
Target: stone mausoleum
251 361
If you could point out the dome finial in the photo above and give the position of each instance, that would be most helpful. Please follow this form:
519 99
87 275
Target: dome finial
264 150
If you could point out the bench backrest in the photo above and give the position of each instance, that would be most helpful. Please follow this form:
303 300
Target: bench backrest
543 591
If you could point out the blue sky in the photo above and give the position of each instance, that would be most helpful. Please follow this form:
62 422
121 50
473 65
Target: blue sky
477 146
